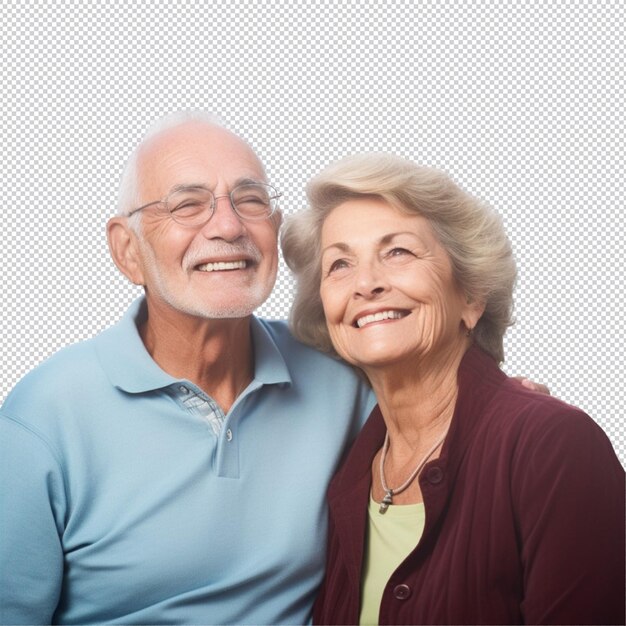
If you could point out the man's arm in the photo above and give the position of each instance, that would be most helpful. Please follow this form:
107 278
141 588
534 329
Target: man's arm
32 505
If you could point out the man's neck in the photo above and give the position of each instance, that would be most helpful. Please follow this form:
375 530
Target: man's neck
214 354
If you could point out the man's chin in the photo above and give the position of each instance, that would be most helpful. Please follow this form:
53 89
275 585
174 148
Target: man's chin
217 312
229 303
227 308
226 313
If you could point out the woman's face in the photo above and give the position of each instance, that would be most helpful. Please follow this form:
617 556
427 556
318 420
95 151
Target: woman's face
387 287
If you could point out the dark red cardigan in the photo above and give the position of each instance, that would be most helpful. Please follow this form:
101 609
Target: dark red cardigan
524 517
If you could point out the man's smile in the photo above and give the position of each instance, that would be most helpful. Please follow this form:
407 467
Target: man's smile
222 266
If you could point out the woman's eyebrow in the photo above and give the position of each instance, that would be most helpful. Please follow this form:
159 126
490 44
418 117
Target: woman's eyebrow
342 247
385 239
391 236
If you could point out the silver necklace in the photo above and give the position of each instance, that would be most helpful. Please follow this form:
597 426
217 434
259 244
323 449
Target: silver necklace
390 493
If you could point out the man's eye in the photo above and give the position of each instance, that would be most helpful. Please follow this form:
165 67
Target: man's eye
188 207
259 199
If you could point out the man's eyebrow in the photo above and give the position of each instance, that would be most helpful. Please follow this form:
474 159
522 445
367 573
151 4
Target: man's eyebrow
188 187
248 181
201 186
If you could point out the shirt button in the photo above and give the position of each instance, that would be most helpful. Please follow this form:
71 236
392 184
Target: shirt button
183 389
401 592
434 475
229 435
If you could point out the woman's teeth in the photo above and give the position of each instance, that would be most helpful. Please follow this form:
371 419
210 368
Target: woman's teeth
379 317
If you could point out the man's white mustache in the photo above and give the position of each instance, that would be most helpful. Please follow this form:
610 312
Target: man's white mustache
218 250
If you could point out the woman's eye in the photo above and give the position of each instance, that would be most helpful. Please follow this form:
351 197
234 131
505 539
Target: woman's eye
337 265
398 252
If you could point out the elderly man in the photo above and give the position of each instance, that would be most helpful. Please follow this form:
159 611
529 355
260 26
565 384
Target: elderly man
173 469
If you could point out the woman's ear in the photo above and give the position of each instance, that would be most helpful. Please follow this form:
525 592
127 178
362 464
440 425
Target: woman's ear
124 249
472 312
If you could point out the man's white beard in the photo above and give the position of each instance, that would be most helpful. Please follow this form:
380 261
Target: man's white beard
187 302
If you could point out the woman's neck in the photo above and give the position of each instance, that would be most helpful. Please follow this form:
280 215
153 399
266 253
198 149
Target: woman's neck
417 400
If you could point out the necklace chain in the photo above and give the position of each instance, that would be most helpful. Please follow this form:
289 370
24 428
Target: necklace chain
389 492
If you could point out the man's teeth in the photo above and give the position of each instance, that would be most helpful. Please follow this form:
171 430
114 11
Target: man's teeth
379 317
222 265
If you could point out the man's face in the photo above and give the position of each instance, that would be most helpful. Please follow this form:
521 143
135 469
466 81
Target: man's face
224 269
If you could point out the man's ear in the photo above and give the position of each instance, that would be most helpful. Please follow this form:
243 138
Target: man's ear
277 219
124 249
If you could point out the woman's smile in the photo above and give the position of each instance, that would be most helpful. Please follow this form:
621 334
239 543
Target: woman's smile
366 319
387 286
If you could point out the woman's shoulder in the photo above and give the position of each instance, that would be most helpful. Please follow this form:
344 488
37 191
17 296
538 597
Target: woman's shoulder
497 408
487 395
533 425
515 404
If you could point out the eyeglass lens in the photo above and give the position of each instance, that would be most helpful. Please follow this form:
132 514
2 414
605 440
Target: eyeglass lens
195 205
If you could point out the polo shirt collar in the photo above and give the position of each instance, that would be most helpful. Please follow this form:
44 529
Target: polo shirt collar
129 366
269 364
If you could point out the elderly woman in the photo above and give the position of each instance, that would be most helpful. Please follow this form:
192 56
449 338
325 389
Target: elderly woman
467 499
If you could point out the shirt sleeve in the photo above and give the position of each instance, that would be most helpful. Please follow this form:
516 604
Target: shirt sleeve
569 496
32 505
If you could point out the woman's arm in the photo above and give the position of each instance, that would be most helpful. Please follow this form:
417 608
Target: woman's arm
569 499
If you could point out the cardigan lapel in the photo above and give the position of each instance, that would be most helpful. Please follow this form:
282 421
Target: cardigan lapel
438 477
349 494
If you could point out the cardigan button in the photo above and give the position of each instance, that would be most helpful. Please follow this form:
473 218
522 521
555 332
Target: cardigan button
401 592
434 475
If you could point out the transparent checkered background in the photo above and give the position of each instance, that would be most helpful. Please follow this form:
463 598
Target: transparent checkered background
522 102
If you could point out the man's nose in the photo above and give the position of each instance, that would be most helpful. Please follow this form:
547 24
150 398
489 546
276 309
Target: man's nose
224 223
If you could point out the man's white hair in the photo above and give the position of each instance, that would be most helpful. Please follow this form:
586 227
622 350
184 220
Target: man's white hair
128 193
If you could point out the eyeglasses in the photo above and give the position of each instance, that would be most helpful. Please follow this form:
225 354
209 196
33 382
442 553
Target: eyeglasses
194 205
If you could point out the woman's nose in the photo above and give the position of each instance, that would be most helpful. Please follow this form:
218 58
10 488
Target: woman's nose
370 281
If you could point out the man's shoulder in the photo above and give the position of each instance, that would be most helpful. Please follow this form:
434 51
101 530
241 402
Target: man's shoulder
298 354
68 360
79 364
60 376
320 383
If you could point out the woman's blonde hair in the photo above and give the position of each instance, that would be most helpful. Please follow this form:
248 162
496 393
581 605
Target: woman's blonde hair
469 230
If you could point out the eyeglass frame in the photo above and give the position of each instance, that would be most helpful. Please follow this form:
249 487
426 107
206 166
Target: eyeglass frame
229 195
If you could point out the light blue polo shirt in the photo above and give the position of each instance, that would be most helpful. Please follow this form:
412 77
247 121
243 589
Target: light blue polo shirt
126 498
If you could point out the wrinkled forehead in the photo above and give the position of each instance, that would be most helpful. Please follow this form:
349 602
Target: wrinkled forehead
195 153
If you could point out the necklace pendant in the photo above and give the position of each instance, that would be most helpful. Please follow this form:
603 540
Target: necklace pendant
387 500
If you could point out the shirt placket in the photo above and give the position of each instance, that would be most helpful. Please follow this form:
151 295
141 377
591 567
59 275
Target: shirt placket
204 407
